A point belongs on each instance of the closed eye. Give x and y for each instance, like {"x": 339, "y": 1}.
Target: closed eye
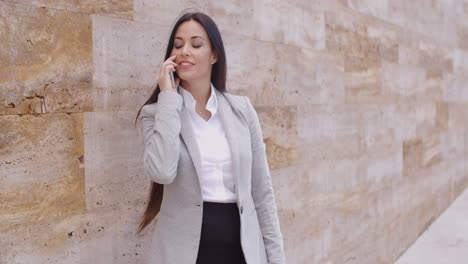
{"x": 178, "y": 47}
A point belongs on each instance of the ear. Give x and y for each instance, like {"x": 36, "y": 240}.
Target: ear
{"x": 214, "y": 58}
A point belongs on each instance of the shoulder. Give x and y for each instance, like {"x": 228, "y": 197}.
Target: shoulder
{"x": 165, "y": 100}
{"x": 148, "y": 110}
{"x": 237, "y": 100}
{"x": 241, "y": 104}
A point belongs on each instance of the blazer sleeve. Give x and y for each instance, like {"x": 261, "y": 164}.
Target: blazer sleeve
{"x": 262, "y": 192}
{"x": 161, "y": 130}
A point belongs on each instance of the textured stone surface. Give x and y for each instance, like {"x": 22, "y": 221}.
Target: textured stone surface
{"x": 231, "y": 16}
{"x": 272, "y": 73}
{"x": 289, "y": 22}
{"x": 46, "y": 64}
{"x": 127, "y": 56}
{"x": 104, "y": 237}
{"x": 41, "y": 169}
{"x": 363, "y": 107}
{"x": 280, "y": 135}
{"x": 121, "y": 8}
{"x": 113, "y": 151}
{"x": 164, "y": 12}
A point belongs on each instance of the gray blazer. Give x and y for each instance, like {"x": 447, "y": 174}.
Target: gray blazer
{"x": 172, "y": 157}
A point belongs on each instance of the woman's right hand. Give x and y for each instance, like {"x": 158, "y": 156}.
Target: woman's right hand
{"x": 167, "y": 67}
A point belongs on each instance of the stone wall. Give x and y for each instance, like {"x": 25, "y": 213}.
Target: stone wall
{"x": 363, "y": 104}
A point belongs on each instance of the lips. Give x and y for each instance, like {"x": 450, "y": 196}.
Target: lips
{"x": 185, "y": 65}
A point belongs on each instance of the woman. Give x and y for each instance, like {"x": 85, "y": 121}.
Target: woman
{"x": 204, "y": 147}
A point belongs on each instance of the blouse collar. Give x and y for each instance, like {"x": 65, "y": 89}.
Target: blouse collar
{"x": 190, "y": 102}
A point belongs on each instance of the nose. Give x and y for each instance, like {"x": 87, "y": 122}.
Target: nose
{"x": 185, "y": 50}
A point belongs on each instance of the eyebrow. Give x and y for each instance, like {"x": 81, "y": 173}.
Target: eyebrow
{"x": 191, "y": 37}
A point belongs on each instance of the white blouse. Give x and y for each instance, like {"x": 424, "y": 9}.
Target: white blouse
{"x": 216, "y": 179}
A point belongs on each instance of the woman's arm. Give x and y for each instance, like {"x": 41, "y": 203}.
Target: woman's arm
{"x": 262, "y": 192}
{"x": 161, "y": 130}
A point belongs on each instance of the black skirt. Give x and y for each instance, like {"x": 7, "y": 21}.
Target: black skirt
{"x": 220, "y": 235}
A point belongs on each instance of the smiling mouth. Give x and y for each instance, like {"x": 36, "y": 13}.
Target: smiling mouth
{"x": 185, "y": 65}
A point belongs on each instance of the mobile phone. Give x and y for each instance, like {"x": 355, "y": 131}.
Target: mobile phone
{"x": 172, "y": 80}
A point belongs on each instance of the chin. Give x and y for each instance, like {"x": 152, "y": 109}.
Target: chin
{"x": 187, "y": 77}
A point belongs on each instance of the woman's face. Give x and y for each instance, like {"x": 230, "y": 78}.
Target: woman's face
{"x": 194, "y": 53}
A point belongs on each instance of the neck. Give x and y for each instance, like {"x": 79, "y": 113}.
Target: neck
{"x": 200, "y": 90}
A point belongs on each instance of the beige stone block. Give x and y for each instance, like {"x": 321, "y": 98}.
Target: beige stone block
{"x": 328, "y": 5}
{"x": 303, "y": 240}
{"x": 310, "y": 239}
{"x": 335, "y": 176}
{"x": 376, "y": 134}
{"x": 364, "y": 41}
{"x": 462, "y": 37}
{"x": 115, "y": 100}
{"x": 366, "y": 45}
{"x": 424, "y": 17}
{"x": 45, "y": 61}
{"x": 403, "y": 80}
{"x": 436, "y": 60}
{"x": 122, "y": 9}
{"x": 233, "y": 17}
{"x": 104, "y": 237}
{"x": 327, "y": 120}
{"x": 452, "y": 144}
{"x": 41, "y": 169}
{"x": 347, "y": 20}
{"x": 165, "y": 12}
{"x": 279, "y": 134}
{"x": 420, "y": 154}
{"x": 411, "y": 118}
{"x": 442, "y": 116}
{"x": 319, "y": 147}
{"x": 328, "y": 132}
{"x": 353, "y": 210}
{"x": 315, "y": 187}
{"x": 382, "y": 167}
{"x": 253, "y": 69}
{"x": 454, "y": 89}
{"x": 458, "y": 114}
{"x": 365, "y": 86}
{"x": 285, "y": 188}
{"x": 460, "y": 60}
{"x": 281, "y": 74}
{"x": 310, "y": 77}
{"x": 113, "y": 158}
{"x": 386, "y": 203}
{"x": 289, "y": 22}
{"x": 328, "y": 212}
{"x": 406, "y": 83}
{"x": 238, "y": 17}
{"x": 462, "y": 181}
{"x": 371, "y": 7}
{"x": 458, "y": 179}
{"x": 127, "y": 56}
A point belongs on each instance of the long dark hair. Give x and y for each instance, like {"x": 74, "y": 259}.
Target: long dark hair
{"x": 218, "y": 79}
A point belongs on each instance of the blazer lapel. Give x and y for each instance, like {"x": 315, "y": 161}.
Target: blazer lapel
{"x": 188, "y": 135}
{"x": 228, "y": 118}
